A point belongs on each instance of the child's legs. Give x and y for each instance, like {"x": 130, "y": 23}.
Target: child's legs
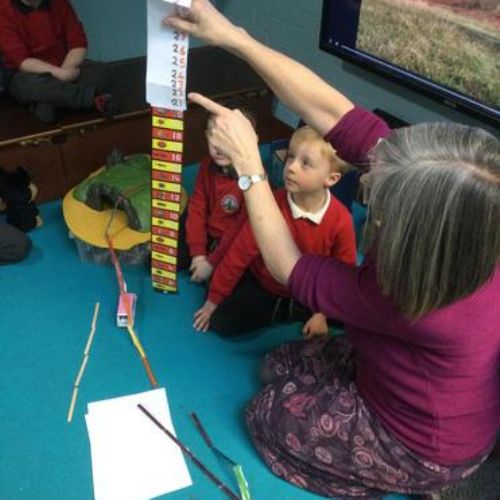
{"x": 32, "y": 88}
{"x": 248, "y": 308}
{"x": 94, "y": 74}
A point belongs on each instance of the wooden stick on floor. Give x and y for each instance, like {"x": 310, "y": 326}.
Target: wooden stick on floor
{"x": 85, "y": 360}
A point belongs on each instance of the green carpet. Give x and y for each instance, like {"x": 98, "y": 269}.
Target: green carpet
{"x": 46, "y": 310}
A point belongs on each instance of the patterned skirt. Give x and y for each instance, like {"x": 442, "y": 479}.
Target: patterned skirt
{"x": 313, "y": 429}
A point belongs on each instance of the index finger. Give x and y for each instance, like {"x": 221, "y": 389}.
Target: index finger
{"x": 205, "y": 102}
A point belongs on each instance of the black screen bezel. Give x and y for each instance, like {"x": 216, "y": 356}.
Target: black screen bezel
{"x": 334, "y": 14}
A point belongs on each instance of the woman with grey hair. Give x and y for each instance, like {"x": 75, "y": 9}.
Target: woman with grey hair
{"x": 409, "y": 402}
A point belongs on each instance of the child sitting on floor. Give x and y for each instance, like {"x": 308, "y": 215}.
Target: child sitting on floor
{"x": 44, "y": 46}
{"x": 215, "y": 210}
{"x": 240, "y": 302}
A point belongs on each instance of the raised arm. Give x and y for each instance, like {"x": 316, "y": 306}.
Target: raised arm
{"x": 75, "y": 57}
{"x": 314, "y": 100}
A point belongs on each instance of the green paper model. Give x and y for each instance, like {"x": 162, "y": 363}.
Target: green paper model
{"x": 127, "y": 184}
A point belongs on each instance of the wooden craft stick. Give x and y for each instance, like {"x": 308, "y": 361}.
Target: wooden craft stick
{"x": 188, "y": 453}
{"x": 92, "y": 329}
{"x": 72, "y": 404}
{"x": 85, "y": 360}
{"x": 82, "y": 369}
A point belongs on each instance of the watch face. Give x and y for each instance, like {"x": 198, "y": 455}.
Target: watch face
{"x": 244, "y": 182}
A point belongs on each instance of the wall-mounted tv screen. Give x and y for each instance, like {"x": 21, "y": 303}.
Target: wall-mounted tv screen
{"x": 449, "y": 49}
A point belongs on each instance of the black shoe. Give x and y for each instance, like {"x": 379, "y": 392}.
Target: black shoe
{"x": 44, "y": 111}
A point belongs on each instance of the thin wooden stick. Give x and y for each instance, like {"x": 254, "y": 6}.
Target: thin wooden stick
{"x": 188, "y": 452}
{"x": 142, "y": 354}
{"x": 128, "y": 308}
{"x": 85, "y": 360}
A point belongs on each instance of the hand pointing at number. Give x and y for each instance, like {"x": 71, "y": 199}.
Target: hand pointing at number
{"x": 233, "y": 135}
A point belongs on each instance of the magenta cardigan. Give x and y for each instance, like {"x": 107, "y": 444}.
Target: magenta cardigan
{"x": 434, "y": 383}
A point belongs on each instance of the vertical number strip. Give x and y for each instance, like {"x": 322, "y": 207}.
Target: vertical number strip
{"x": 166, "y": 178}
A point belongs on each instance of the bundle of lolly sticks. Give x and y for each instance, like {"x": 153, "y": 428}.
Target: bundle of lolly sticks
{"x": 86, "y": 353}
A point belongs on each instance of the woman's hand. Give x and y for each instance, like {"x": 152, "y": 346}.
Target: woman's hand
{"x": 200, "y": 269}
{"x": 231, "y": 133}
{"x": 202, "y": 316}
{"x": 204, "y": 21}
{"x": 316, "y": 326}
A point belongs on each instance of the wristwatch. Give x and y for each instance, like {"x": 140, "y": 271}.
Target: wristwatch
{"x": 245, "y": 182}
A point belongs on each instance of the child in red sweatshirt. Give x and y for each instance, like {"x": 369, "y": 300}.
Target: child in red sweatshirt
{"x": 215, "y": 210}
{"x": 44, "y": 46}
{"x": 240, "y": 302}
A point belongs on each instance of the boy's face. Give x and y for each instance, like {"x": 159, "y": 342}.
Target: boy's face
{"x": 307, "y": 170}
{"x": 216, "y": 156}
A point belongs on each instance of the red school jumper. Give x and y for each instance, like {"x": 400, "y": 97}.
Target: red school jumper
{"x": 333, "y": 236}
{"x": 47, "y": 33}
{"x": 215, "y": 211}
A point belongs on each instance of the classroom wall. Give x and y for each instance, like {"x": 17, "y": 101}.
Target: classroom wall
{"x": 293, "y": 26}
{"x": 116, "y": 29}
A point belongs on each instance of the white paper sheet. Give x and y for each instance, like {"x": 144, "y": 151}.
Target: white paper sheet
{"x": 131, "y": 458}
{"x": 167, "y": 57}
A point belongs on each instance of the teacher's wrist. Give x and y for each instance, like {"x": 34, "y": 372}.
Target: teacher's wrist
{"x": 249, "y": 167}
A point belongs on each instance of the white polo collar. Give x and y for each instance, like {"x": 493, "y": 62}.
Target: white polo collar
{"x": 316, "y": 217}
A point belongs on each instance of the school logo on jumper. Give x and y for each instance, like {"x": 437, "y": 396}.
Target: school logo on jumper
{"x": 230, "y": 204}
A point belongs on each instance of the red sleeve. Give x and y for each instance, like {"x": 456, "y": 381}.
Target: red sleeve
{"x": 242, "y": 251}
{"x": 197, "y": 218}
{"x": 12, "y": 46}
{"x": 344, "y": 248}
{"x": 215, "y": 257}
{"x": 73, "y": 28}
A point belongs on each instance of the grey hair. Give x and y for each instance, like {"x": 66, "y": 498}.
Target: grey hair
{"x": 434, "y": 208}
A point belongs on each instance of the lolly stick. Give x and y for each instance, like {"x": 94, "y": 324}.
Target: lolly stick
{"x": 86, "y": 353}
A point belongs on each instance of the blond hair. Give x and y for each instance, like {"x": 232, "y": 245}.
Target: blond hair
{"x": 308, "y": 134}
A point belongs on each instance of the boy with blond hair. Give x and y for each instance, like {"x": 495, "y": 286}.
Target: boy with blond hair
{"x": 238, "y": 301}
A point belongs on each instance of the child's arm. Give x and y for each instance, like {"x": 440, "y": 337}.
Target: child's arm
{"x": 18, "y": 55}
{"x": 227, "y": 274}
{"x": 75, "y": 57}
{"x": 344, "y": 247}
{"x": 225, "y": 242}
{"x": 315, "y": 326}
{"x": 242, "y": 251}
{"x": 197, "y": 217}
{"x": 74, "y": 32}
